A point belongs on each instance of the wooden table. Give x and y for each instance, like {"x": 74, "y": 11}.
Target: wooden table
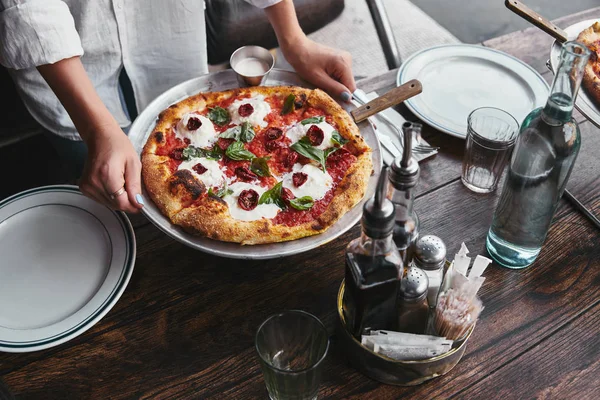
{"x": 185, "y": 326}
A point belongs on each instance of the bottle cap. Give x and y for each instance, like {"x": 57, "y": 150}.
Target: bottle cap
{"x": 405, "y": 170}
{"x": 414, "y": 285}
{"x": 430, "y": 253}
{"x": 379, "y": 212}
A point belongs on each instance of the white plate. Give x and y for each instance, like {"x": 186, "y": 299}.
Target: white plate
{"x": 583, "y": 103}
{"x": 65, "y": 262}
{"x": 459, "y": 78}
{"x": 224, "y": 80}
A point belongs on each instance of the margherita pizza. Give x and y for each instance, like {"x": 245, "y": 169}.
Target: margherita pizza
{"x": 256, "y": 165}
{"x": 590, "y": 37}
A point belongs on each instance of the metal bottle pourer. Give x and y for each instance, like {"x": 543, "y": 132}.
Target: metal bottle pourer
{"x": 379, "y": 212}
{"x": 405, "y": 170}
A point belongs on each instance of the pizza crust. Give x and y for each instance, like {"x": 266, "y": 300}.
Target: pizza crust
{"x": 208, "y": 215}
{"x": 590, "y": 37}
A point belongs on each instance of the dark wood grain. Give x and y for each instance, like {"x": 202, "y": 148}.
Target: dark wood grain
{"x": 579, "y": 339}
{"x": 184, "y": 328}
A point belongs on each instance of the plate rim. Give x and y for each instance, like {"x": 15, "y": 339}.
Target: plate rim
{"x": 175, "y": 232}
{"x": 106, "y": 305}
{"x": 582, "y": 106}
{"x": 424, "y": 118}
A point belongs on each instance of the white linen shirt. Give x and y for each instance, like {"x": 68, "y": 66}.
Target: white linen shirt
{"x": 160, "y": 43}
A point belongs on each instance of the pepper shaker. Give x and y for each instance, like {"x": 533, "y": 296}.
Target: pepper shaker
{"x": 430, "y": 256}
{"x": 413, "y": 308}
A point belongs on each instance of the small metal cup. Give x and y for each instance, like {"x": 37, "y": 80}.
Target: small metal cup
{"x": 246, "y": 52}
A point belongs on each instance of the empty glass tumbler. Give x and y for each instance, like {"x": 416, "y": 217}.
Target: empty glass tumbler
{"x": 491, "y": 135}
{"x": 292, "y": 346}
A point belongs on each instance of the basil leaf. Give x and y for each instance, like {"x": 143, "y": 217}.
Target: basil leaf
{"x": 273, "y": 196}
{"x": 312, "y": 120}
{"x": 232, "y": 133}
{"x": 195, "y": 152}
{"x": 330, "y": 150}
{"x": 236, "y": 151}
{"x": 303, "y": 147}
{"x": 219, "y": 115}
{"x": 302, "y": 203}
{"x": 337, "y": 138}
{"x": 288, "y": 104}
{"x": 260, "y": 167}
{"x": 247, "y": 132}
{"x": 224, "y": 191}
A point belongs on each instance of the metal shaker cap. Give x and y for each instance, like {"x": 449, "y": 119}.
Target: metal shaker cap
{"x": 430, "y": 253}
{"x": 378, "y": 212}
{"x": 405, "y": 170}
{"x": 414, "y": 285}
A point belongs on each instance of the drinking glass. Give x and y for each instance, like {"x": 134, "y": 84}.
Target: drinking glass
{"x": 491, "y": 135}
{"x": 291, "y": 347}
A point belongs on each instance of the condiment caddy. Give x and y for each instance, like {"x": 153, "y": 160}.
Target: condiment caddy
{"x": 398, "y": 287}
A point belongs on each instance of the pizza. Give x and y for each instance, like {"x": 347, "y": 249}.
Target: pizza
{"x": 256, "y": 165}
{"x": 590, "y": 37}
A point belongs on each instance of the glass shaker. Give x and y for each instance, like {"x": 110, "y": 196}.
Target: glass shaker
{"x": 373, "y": 268}
{"x": 404, "y": 176}
{"x": 413, "y": 307}
{"x": 430, "y": 256}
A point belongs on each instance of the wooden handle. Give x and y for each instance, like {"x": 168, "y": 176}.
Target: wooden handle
{"x": 536, "y": 19}
{"x": 395, "y": 96}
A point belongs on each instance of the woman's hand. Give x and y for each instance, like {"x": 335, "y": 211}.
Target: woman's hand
{"x": 327, "y": 68}
{"x": 112, "y": 169}
{"x": 112, "y": 164}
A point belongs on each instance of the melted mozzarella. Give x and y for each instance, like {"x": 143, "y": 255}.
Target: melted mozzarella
{"x": 261, "y": 110}
{"x": 212, "y": 177}
{"x": 316, "y": 186}
{"x": 204, "y": 136}
{"x": 298, "y": 131}
{"x": 261, "y": 211}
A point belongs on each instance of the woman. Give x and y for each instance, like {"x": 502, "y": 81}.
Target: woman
{"x": 66, "y": 57}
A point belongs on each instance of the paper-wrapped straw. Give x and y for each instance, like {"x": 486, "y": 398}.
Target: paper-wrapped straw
{"x": 458, "y": 306}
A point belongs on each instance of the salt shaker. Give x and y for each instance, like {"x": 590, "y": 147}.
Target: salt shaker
{"x": 413, "y": 307}
{"x": 430, "y": 256}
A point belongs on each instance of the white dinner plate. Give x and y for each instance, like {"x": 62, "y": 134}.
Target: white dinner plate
{"x": 583, "y": 103}
{"x": 65, "y": 261}
{"x": 224, "y": 80}
{"x": 459, "y": 78}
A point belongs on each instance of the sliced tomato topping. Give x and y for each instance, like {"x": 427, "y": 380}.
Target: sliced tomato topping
{"x": 299, "y": 178}
{"x": 315, "y": 135}
{"x": 245, "y": 110}
{"x": 248, "y": 199}
{"x": 245, "y": 174}
{"x": 193, "y": 123}
{"x": 273, "y": 133}
{"x": 199, "y": 168}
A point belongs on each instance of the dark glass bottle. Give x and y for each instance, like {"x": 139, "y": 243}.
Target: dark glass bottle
{"x": 374, "y": 269}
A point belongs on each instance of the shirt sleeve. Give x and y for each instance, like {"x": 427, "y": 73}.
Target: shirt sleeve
{"x": 263, "y": 3}
{"x": 36, "y": 32}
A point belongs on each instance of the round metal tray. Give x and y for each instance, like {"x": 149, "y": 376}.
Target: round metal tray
{"x": 583, "y": 103}
{"x": 224, "y": 80}
{"x": 388, "y": 370}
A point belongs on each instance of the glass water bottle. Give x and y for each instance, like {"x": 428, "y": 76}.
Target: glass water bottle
{"x": 543, "y": 158}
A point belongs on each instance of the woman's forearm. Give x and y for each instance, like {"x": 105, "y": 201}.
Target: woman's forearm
{"x": 282, "y": 17}
{"x": 75, "y": 90}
